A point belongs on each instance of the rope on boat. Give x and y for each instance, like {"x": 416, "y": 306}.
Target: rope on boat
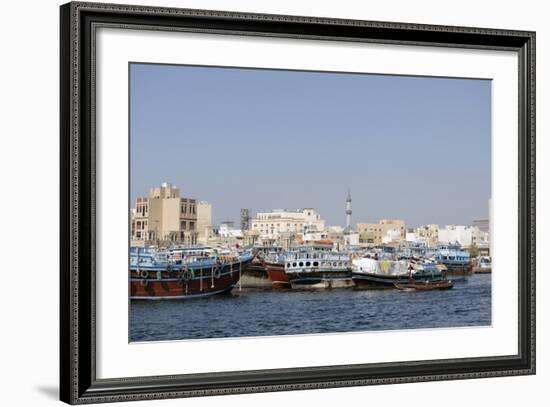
{"x": 200, "y": 284}
{"x": 212, "y": 277}
{"x": 240, "y": 280}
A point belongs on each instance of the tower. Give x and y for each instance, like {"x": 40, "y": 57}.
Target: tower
{"x": 245, "y": 219}
{"x": 348, "y": 213}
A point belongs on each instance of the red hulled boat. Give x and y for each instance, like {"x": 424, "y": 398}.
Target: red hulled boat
{"x": 183, "y": 273}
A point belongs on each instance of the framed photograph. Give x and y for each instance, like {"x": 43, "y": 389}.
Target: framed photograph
{"x": 255, "y": 203}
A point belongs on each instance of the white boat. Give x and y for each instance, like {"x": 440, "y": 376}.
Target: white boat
{"x": 318, "y": 270}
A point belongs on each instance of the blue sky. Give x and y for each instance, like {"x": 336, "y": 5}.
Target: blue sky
{"x": 412, "y": 148}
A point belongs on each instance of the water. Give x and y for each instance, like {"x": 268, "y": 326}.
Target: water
{"x": 273, "y": 312}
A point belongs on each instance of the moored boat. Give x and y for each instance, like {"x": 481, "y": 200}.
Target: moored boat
{"x": 371, "y": 273}
{"x": 426, "y": 285}
{"x": 310, "y": 269}
{"x": 181, "y": 273}
{"x": 456, "y": 261}
{"x": 274, "y": 264}
{"x": 255, "y": 274}
{"x": 483, "y": 265}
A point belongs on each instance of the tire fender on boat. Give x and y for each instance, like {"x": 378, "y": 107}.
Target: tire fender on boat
{"x": 143, "y": 274}
{"x": 186, "y": 276}
{"x": 217, "y": 273}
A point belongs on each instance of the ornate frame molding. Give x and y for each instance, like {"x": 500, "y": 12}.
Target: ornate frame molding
{"x": 78, "y": 380}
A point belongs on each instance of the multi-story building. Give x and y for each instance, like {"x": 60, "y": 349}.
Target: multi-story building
{"x": 428, "y": 235}
{"x": 481, "y": 224}
{"x": 245, "y": 219}
{"x": 227, "y": 230}
{"x": 465, "y": 236}
{"x": 164, "y": 216}
{"x": 204, "y": 222}
{"x": 385, "y": 231}
{"x": 280, "y": 222}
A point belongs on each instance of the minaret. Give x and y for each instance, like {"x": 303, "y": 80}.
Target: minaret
{"x": 348, "y": 213}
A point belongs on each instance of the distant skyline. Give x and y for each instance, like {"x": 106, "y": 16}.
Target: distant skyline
{"x": 411, "y": 148}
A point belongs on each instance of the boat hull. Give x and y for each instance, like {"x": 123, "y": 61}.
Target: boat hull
{"x": 458, "y": 270}
{"x": 183, "y": 284}
{"x": 365, "y": 281}
{"x": 320, "y": 279}
{"x": 255, "y": 276}
{"x": 276, "y": 272}
{"x": 369, "y": 281}
{"x": 482, "y": 270}
{"x": 320, "y": 282}
{"x": 425, "y": 286}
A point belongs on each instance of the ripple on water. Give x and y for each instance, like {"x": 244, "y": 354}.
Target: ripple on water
{"x": 269, "y": 313}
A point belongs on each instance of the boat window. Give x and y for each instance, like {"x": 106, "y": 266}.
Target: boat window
{"x": 293, "y": 264}
{"x": 301, "y": 264}
{"x": 308, "y": 263}
{"x": 315, "y": 264}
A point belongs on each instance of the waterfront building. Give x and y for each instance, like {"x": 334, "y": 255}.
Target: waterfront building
{"x": 204, "y": 222}
{"x": 455, "y": 234}
{"x": 481, "y": 224}
{"x": 465, "y": 236}
{"x": 385, "y": 231}
{"x": 245, "y": 219}
{"x": 428, "y": 235}
{"x": 164, "y": 216}
{"x": 227, "y": 230}
{"x": 281, "y": 222}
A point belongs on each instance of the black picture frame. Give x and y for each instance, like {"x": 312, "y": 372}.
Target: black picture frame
{"x": 78, "y": 382}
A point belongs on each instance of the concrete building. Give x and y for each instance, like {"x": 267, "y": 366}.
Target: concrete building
{"x": 385, "y": 231}
{"x": 428, "y": 235}
{"x": 281, "y": 222}
{"x": 227, "y": 230}
{"x": 245, "y": 219}
{"x": 465, "y": 236}
{"x": 481, "y": 224}
{"x": 164, "y": 216}
{"x": 204, "y": 222}
{"x": 455, "y": 234}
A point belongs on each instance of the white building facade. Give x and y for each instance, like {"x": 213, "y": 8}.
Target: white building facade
{"x": 282, "y": 222}
{"x": 465, "y": 236}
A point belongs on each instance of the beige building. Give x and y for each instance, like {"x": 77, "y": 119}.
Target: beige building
{"x": 385, "y": 231}
{"x": 164, "y": 216}
{"x": 428, "y": 234}
{"x": 280, "y": 223}
{"x": 204, "y": 222}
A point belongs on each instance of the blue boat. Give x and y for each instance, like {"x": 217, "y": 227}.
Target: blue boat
{"x": 456, "y": 261}
{"x": 184, "y": 272}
